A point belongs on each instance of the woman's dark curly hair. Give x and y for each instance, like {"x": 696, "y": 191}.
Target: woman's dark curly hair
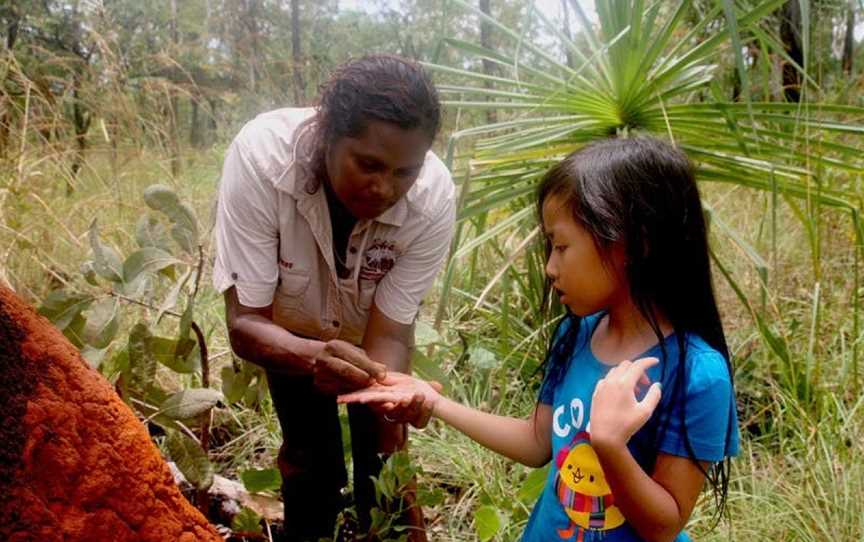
{"x": 381, "y": 87}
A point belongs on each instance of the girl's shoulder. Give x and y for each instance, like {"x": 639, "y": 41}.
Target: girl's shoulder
{"x": 706, "y": 366}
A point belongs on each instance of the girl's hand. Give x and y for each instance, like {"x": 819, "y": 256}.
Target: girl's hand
{"x": 401, "y": 397}
{"x": 616, "y": 415}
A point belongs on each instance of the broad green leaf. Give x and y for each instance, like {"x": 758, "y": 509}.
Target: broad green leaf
{"x": 89, "y": 273}
{"x": 106, "y": 261}
{"x": 533, "y": 485}
{"x": 425, "y": 334}
{"x": 190, "y": 402}
{"x": 246, "y": 522}
{"x": 185, "y": 226}
{"x": 93, "y": 356}
{"x": 481, "y": 358}
{"x": 165, "y": 351}
{"x": 61, "y": 307}
{"x": 102, "y": 323}
{"x": 171, "y": 299}
{"x": 190, "y": 458}
{"x": 429, "y": 369}
{"x": 487, "y": 522}
{"x": 257, "y": 480}
{"x": 150, "y": 232}
{"x": 145, "y": 260}
{"x": 141, "y": 373}
{"x": 234, "y": 384}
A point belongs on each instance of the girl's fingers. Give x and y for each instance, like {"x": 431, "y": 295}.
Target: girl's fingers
{"x": 636, "y": 372}
{"x": 651, "y": 399}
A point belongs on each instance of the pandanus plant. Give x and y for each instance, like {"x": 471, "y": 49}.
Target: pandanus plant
{"x": 650, "y": 68}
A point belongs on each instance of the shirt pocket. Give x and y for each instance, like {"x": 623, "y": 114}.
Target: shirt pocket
{"x": 292, "y": 287}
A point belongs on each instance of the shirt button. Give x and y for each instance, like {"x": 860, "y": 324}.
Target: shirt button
{"x": 233, "y": 276}
{"x": 335, "y": 323}
{"x": 353, "y": 250}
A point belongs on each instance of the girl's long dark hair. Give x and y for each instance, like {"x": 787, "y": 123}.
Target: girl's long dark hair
{"x": 641, "y": 193}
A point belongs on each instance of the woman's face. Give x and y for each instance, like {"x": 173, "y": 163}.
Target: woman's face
{"x": 370, "y": 172}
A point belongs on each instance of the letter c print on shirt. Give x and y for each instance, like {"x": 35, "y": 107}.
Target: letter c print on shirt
{"x": 577, "y": 416}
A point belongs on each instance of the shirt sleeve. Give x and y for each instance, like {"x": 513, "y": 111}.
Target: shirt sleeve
{"x": 709, "y": 412}
{"x": 246, "y": 232}
{"x": 399, "y": 293}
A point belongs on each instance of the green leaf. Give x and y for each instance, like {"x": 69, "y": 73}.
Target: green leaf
{"x": 61, "y": 307}
{"x": 106, "y": 261}
{"x": 487, "y": 522}
{"x": 185, "y": 229}
{"x": 190, "y": 458}
{"x": 429, "y": 369}
{"x": 93, "y": 356}
{"x": 257, "y": 480}
{"x": 102, "y": 323}
{"x": 149, "y": 232}
{"x": 246, "y": 522}
{"x": 481, "y": 358}
{"x": 533, "y": 485}
{"x": 146, "y": 259}
{"x": 171, "y": 299}
{"x": 425, "y": 334}
{"x": 234, "y": 384}
{"x": 165, "y": 351}
{"x": 190, "y": 403}
{"x": 89, "y": 273}
{"x": 141, "y": 372}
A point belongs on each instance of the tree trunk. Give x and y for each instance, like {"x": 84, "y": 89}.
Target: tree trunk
{"x": 195, "y": 138}
{"x": 81, "y": 121}
{"x": 849, "y": 42}
{"x": 488, "y": 65}
{"x": 296, "y": 55}
{"x": 175, "y": 76}
{"x": 790, "y": 35}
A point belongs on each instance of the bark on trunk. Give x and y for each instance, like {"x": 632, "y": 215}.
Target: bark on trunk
{"x": 790, "y": 34}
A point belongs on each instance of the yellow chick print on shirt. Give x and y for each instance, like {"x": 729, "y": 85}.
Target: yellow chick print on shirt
{"x": 583, "y": 492}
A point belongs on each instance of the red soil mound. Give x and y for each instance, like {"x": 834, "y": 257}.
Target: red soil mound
{"x": 75, "y": 463}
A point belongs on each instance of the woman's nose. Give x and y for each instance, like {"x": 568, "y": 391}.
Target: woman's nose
{"x": 382, "y": 187}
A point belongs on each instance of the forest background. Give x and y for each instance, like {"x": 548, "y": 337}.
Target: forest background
{"x": 115, "y": 115}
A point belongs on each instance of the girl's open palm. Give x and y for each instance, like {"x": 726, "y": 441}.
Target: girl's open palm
{"x": 616, "y": 415}
{"x": 398, "y": 394}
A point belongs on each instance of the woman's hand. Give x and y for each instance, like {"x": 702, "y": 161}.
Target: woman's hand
{"x": 341, "y": 367}
{"x": 616, "y": 415}
{"x": 400, "y": 397}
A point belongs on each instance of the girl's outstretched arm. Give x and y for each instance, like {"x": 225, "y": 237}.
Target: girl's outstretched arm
{"x": 657, "y": 506}
{"x": 527, "y": 441}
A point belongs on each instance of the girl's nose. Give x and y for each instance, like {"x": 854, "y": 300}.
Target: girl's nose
{"x": 551, "y": 270}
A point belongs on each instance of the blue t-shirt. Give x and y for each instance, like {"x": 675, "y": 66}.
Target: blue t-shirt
{"x": 577, "y": 503}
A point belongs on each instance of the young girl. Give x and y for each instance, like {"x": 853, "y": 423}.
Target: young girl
{"x": 631, "y": 442}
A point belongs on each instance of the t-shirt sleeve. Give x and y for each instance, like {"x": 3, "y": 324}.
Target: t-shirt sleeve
{"x": 709, "y": 413}
{"x": 246, "y": 231}
{"x": 399, "y": 293}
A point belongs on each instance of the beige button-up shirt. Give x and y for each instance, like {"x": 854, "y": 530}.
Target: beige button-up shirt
{"x": 275, "y": 245}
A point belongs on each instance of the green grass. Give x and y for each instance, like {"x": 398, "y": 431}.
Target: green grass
{"x": 800, "y": 475}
